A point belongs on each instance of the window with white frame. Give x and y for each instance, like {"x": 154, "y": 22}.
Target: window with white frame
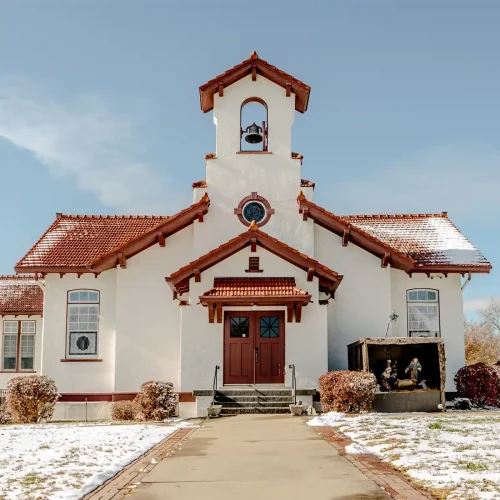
{"x": 423, "y": 313}
{"x": 18, "y": 345}
{"x": 83, "y": 323}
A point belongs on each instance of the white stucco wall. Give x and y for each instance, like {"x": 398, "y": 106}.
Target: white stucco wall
{"x": 148, "y": 319}
{"x": 450, "y": 309}
{"x": 202, "y": 342}
{"x": 6, "y": 376}
{"x": 363, "y": 300}
{"x": 79, "y": 377}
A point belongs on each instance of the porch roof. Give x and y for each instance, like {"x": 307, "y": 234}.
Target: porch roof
{"x": 255, "y": 291}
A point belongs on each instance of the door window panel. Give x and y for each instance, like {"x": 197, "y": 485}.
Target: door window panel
{"x": 269, "y": 327}
{"x": 239, "y": 327}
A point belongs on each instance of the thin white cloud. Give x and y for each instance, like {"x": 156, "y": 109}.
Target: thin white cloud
{"x": 82, "y": 140}
{"x": 477, "y": 304}
{"x": 462, "y": 180}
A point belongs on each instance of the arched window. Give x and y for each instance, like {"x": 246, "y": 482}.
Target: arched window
{"x": 423, "y": 313}
{"x": 83, "y": 323}
{"x": 253, "y": 125}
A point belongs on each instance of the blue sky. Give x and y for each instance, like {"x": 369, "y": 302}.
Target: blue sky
{"x": 99, "y": 107}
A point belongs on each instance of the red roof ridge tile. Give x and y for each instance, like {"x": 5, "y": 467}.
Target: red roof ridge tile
{"x": 19, "y": 277}
{"x": 394, "y": 216}
{"x": 104, "y": 216}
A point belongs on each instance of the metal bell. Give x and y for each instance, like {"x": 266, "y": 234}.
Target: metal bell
{"x": 253, "y": 134}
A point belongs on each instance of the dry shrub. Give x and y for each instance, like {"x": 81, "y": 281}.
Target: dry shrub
{"x": 31, "y": 398}
{"x": 482, "y": 343}
{"x": 124, "y": 410}
{"x": 480, "y": 383}
{"x": 347, "y": 391}
{"x": 156, "y": 401}
{"x": 5, "y": 416}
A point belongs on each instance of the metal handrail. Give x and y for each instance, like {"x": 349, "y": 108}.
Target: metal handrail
{"x": 294, "y": 384}
{"x": 214, "y": 386}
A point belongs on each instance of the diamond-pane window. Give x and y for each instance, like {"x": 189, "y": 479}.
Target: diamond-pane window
{"x": 269, "y": 326}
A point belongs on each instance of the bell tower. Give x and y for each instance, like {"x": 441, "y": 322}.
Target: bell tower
{"x": 253, "y": 169}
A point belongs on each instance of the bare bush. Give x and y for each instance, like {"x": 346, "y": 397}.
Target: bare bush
{"x": 156, "y": 401}
{"x": 31, "y": 398}
{"x": 482, "y": 343}
{"x": 347, "y": 391}
{"x": 5, "y": 417}
{"x": 124, "y": 410}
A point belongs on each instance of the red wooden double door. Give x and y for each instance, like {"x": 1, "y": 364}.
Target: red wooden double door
{"x": 254, "y": 347}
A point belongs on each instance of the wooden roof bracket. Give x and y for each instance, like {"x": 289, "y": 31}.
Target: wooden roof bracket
{"x": 345, "y": 237}
{"x": 288, "y": 89}
{"x": 122, "y": 260}
{"x": 197, "y": 275}
{"x": 386, "y": 259}
{"x": 310, "y": 274}
{"x": 253, "y": 244}
{"x": 254, "y": 73}
{"x": 161, "y": 238}
{"x": 221, "y": 89}
{"x": 200, "y": 216}
{"x": 305, "y": 213}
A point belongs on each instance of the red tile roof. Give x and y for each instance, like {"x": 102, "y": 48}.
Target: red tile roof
{"x": 414, "y": 242}
{"x": 429, "y": 239}
{"x": 20, "y": 295}
{"x": 300, "y": 89}
{"x": 94, "y": 243}
{"x": 254, "y": 287}
{"x": 77, "y": 240}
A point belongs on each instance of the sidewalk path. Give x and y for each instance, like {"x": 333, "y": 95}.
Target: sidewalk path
{"x": 257, "y": 457}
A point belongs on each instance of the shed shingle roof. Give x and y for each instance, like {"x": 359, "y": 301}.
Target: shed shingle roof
{"x": 20, "y": 295}
{"x": 254, "y": 287}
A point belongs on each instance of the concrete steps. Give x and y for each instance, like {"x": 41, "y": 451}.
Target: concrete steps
{"x": 237, "y": 402}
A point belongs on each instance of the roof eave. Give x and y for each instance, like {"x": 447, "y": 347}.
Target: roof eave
{"x": 452, "y": 269}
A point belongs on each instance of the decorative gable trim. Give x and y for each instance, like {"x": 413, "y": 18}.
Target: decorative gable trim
{"x": 328, "y": 280}
{"x": 350, "y": 233}
{"x": 254, "y": 66}
{"x": 156, "y": 235}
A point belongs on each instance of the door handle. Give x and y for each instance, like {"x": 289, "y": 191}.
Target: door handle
{"x": 256, "y": 354}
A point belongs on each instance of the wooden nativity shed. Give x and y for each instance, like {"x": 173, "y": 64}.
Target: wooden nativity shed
{"x": 371, "y": 354}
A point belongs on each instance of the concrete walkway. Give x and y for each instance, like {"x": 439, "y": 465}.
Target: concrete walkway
{"x": 257, "y": 457}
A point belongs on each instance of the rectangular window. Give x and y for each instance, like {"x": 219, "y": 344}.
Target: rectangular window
{"x": 83, "y": 323}
{"x": 18, "y": 352}
{"x": 423, "y": 313}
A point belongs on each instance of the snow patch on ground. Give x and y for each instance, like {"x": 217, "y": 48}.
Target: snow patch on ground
{"x": 459, "y": 451}
{"x": 66, "y": 461}
{"x": 327, "y": 420}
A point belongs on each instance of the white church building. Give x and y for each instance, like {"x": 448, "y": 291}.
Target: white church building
{"x": 252, "y": 278}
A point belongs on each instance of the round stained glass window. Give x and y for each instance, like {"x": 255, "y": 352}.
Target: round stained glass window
{"x": 254, "y": 211}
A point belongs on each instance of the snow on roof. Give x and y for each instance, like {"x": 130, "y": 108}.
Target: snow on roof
{"x": 20, "y": 295}
{"x": 430, "y": 239}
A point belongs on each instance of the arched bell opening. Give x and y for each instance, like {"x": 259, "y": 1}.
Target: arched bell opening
{"x": 253, "y": 125}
